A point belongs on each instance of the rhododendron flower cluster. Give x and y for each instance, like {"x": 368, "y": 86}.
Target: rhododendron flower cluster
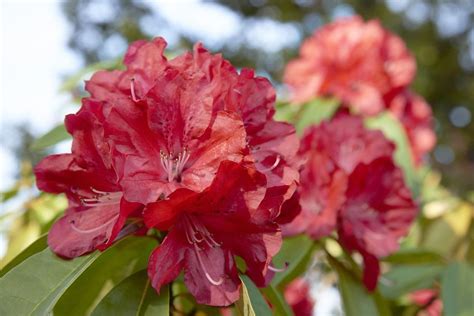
{"x": 369, "y": 69}
{"x": 351, "y": 185}
{"x": 187, "y": 146}
{"x": 187, "y": 151}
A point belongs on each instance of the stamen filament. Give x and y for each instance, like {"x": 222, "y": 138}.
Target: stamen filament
{"x": 201, "y": 263}
{"x": 87, "y": 231}
{"x": 132, "y": 90}
{"x": 272, "y": 268}
{"x": 275, "y": 164}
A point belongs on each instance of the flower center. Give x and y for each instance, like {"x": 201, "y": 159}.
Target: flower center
{"x": 197, "y": 233}
{"x": 174, "y": 165}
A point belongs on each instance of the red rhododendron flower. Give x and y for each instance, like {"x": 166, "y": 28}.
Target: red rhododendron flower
{"x": 429, "y": 300}
{"x": 297, "y": 295}
{"x": 97, "y": 211}
{"x": 358, "y": 62}
{"x": 175, "y": 121}
{"x": 378, "y": 211}
{"x": 331, "y": 151}
{"x": 206, "y": 230}
{"x": 417, "y": 118}
{"x": 370, "y": 210}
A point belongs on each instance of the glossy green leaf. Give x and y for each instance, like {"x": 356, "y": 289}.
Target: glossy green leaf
{"x": 457, "y": 290}
{"x": 251, "y": 301}
{"x": 35, "y": 285}
{"x": 394, "y": 131}
{"x": 404, "y": 279}
{"x": 35, "y": 247}
{"x": 51, "y": 138}
{"x": 356, "y": 300}
{"x": 279, "y": 305}
{"x": 126, "y": 257}
{"x": 296, "y": 252}
{"x": 134, "y": 296}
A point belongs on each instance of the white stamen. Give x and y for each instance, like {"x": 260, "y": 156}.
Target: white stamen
{"x": 272, "y": 268}
{"x": 87, "y": 231}
{"x": 132, "y": 90}
{"x": 102, "y": 198}
{"x": 275, "y": 164}
{"x": 174, "y": 166}
{"x": 193, "y": 229}
{"x": 208, "y": 276}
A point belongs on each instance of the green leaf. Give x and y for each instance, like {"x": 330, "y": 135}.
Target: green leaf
{"x": 414, "y": 256}
{"x": 457, "y": 290}
{"x": 251, "y": 301}
{"x": 304, "y": 115}
{"x": 404, "y": 279}
{"x": 356, "y": 300}
{"x": 314, "y": 112}
{"x": 135, "y": 296}
{"x": 35, "y": 285}
{"x": 279, "y": 305}
{"x": 32, "y": 249}
{"x": 126, "y": 257}
{"x": 296, "y": 252}
{"x": 394, "y": 131}
{"x": 51, "y": 138}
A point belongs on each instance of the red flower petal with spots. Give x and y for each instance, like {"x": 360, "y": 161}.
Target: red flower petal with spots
{"x": 358, "y": 62}
{"x": 207, "y": 229}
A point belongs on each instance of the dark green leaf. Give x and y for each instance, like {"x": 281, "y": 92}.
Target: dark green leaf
{"x": 356, "y": 300}
{"x": 32, "y": 249}
{"x": 394, "y": 131}
{"x": 279, "y": 305}
{"x": 296, "y": 252}
{"x": 457, "y": 290}
{"x": 135, "y": 296}
{"x": 251, "y": 301}
{"x": 404, "y": 279}
{"x": 126, "y": 257}
{"x": 51, "y": 138}
{"x": 34, "y": 286}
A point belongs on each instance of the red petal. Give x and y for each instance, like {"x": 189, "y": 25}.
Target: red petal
{"x": 80, "y": 232}
{"x": 371, "y": 271}
{"x": 167, "y": 261}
